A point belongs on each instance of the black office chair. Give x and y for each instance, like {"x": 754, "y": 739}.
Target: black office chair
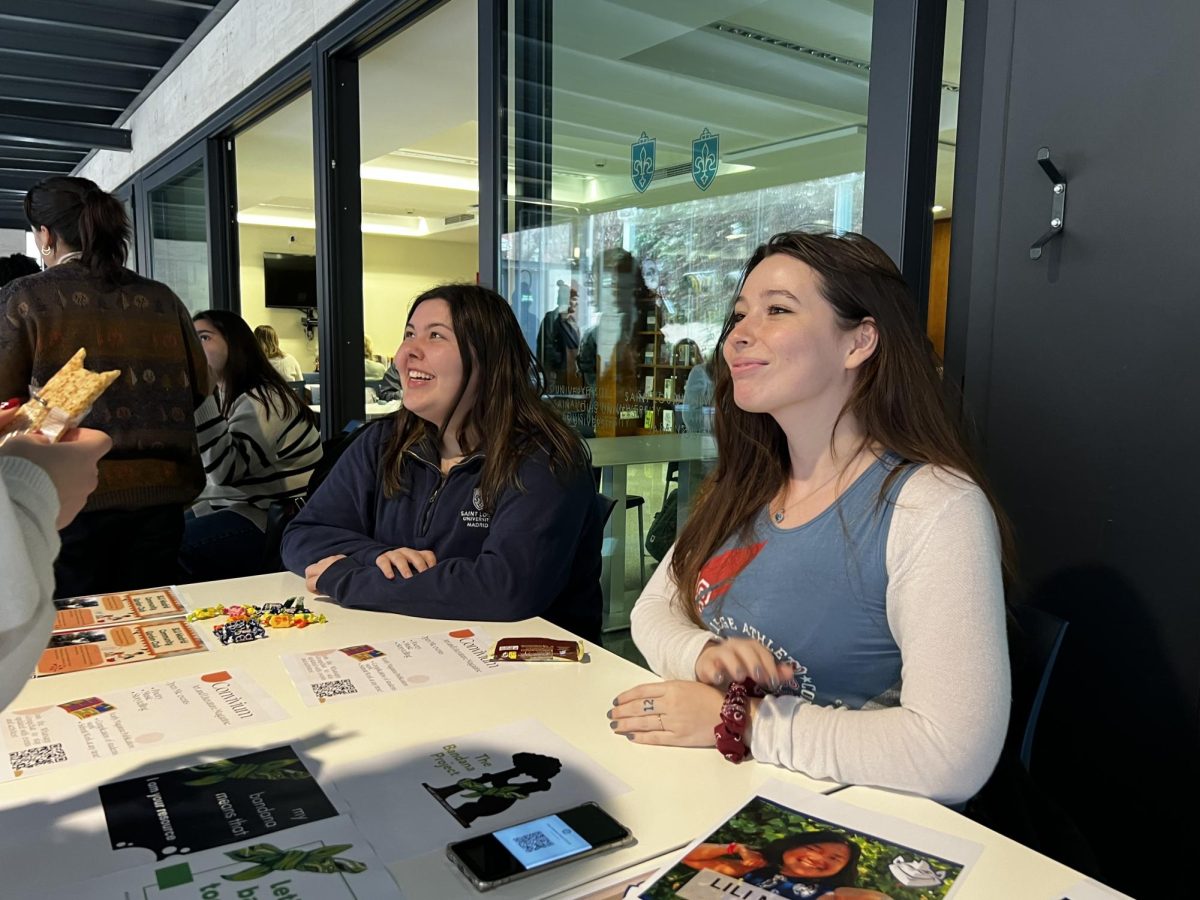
{"x": 281, "y": 512}
{"x": 1034, "y": 641}
{"x": 1013, "y": 802}
{"x": 638, "y": 502}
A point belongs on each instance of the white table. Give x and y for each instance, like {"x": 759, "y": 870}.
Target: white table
{"x": 613, "y": 456}
{"x": 374, "y": 410}
{"x": 1003, "y": 871}
{"x": 674, "y": 790}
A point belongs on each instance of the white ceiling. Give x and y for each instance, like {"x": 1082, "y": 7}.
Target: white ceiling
{"x": 619, "y": 67}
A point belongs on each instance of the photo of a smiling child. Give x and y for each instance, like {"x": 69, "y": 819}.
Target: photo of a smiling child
{"x": 767, "y": 850}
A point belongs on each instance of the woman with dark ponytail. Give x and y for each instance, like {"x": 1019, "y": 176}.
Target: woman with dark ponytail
{"x": 129, "y": 533}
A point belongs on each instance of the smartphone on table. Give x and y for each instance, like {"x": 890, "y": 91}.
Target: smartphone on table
{"x": 510, "y": 853}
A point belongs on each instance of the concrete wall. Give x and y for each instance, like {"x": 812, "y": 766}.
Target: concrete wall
{"x": 395, "y": 269}
{"x": 245, "y": 44}
{"x": 12, "y": 241}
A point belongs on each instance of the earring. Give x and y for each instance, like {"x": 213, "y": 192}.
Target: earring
{"x": 46, "y": 251}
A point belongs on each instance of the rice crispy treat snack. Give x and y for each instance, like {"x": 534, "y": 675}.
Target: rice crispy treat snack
{"x": 65, "y": 399}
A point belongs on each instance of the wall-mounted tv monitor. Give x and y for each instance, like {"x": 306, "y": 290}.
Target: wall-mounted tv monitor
{"x": 290, "y": 280}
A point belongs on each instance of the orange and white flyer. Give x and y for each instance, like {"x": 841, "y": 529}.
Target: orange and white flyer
{"x": 93, "y": 648}
{"x": 75, "y": 613}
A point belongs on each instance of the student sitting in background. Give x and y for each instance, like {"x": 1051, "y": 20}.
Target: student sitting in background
{"x": 372, "y": 368}
{"x": 259, "y": 443}
{"x": 474, "y": 501}
{"x": 843, "y": 560}
{"x": 389, "y": 387}
{"x": 285, "y": 364}
{"x": 42, "y": 488}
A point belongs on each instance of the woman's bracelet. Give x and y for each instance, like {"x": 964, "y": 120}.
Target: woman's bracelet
{"x": 730, "y": 732}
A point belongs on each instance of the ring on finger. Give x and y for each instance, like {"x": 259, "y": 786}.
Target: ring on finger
{"x": 661, "y": 726}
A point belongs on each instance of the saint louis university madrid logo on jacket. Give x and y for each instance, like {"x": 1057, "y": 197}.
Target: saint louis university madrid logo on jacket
{"x": 476, "y": 518}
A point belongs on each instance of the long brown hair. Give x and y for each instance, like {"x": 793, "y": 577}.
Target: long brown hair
{"x": 508, "y": 418}
{"x": 84, "y": 217}
{"x": 247, "y": 370}
{"x": 898, "y": 400}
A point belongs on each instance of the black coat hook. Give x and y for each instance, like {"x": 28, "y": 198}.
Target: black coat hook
{"x": 1058, "y": 205}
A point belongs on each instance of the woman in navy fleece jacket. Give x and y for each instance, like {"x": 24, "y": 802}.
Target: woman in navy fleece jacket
{"x": 475, "y": 501}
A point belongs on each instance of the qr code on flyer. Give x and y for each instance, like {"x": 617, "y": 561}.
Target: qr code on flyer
{"x": 340, "y": 688}
{"x": 48, "y": 755}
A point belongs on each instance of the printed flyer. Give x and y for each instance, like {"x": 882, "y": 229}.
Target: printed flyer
{"x": 468, "y": 785}
{"x": 44, "y": 738}
{"x": 214, "y": 803}
{"x": 789, "y": 843}
{"x": 116, "y": 645}
{"x": 75, "y": 613}
{"x": 325, "y": 860}
{"x": 384, "y": 667}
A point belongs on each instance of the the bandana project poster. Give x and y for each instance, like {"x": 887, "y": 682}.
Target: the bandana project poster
{"x": 790, "y": 844}
{"x": 211, "y": 804}
{"x": 415, "y": 801}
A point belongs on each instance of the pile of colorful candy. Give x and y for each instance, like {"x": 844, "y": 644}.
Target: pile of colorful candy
{"x": 238, "y": 631}
{"x": 249, "y": 623}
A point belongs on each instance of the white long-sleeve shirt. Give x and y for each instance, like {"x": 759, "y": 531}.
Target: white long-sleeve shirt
{"x": 28, "y": 545}
{"x": 945, "y": 610}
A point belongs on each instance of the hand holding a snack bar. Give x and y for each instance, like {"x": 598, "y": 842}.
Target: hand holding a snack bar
{"x": 71, "y": 463}
{"x": 405, "y": 560}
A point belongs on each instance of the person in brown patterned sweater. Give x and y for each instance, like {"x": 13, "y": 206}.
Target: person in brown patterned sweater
{"x": 129, "y": 533}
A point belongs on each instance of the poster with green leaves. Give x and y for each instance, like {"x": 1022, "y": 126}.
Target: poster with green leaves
{"x": 209, "y": 804}
{"x": 325, "y": 860}
{"x": 790, "y": 843}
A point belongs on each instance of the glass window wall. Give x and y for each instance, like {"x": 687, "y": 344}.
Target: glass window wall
{"x": 277, "y": 238}
{"x": 420, "y": 172}
{"x": 179, "y": 235}
{"x": 651, "y": 149}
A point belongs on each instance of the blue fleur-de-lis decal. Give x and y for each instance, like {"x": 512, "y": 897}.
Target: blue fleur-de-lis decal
{"x": 641, "y": 162}
{"x": 706, "y": 156}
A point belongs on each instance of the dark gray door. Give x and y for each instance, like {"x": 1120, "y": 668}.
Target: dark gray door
{"x": 1082, "y": 371}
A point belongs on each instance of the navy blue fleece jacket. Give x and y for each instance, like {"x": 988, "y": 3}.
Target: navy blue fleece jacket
{"x": 536, "y": 554}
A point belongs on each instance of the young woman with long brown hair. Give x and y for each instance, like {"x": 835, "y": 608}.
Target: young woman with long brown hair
{"x": 844, "y": 559}
{"x": 259, "y": 442}
{"x": 475, "y": 500}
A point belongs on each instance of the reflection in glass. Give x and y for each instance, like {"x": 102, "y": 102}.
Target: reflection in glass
{"x": 179, "y": 236}
{"x": 420, "y": 171}
{"x": 675, "y": 143}
{"x": 277, "y": 237}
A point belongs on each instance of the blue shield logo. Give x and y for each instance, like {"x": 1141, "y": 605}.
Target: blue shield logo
{"x": 641, "y": 162}
{"x": 706, "y": 156}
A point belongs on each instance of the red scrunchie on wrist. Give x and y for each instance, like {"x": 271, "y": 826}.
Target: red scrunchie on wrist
{"x": 731, "y": 730}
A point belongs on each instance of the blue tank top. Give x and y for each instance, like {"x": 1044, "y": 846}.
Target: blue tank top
{"x": 816, "y": 595}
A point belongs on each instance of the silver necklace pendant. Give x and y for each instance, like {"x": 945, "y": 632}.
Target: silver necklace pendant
{"x": 778, "y": 517}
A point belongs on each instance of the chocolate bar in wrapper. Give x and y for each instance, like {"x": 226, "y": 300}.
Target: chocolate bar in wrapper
{"x": 537, "y": 649}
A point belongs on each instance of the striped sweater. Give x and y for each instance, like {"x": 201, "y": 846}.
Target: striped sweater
{"x": 251, "y": 459}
